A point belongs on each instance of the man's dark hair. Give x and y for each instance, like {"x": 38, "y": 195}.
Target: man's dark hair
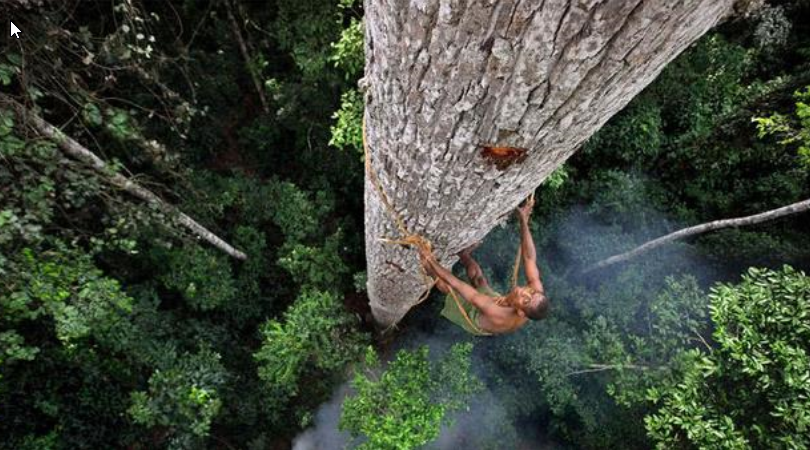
{"x": 538, "y": 310}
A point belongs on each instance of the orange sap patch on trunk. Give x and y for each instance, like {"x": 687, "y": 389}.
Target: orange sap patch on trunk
{"x": 503, "y": 157}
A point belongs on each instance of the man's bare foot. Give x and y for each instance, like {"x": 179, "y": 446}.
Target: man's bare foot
{"x": 468, "y": 251}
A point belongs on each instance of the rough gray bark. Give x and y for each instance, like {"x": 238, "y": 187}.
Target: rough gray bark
{"x": 767, "y": 216}
{"x": 444, "y": 77}
{"x": 77, "y": 151}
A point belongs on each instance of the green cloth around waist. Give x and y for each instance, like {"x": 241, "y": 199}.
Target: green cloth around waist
{"x": 452, "y": 313}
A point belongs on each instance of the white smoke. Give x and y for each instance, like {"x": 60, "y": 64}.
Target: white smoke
{"x": 324, "y": 434}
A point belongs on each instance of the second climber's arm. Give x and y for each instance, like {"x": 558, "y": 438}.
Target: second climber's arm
{"x": 527, "y": 248}
{"x": 468, "y": 292}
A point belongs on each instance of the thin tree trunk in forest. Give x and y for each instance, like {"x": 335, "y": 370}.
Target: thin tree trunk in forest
{"x": 767, "y": 216}
{"x": 445, "y": 77}
{"x": 243, "y": 48}
{"x": 77, "y": 151}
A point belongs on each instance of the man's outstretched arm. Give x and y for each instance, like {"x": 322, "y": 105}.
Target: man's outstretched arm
{"x": 468, "y": 292}
{"x": 527, "y": 247}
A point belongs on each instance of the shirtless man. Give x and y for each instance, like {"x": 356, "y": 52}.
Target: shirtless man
{"x": 489, "y": 312}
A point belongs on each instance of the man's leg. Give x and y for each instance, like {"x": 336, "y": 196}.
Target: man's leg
{"x": 474, "y": 272}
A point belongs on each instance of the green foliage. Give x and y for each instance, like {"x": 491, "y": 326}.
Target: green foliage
{"x": 348, "y": 55}
{"x": 637, "y": 133}
{"x": 119, "y": 124}
{"x": 183, "y": 398}
{"x": 317, "y": 338}
{"x": 318, "y": 267}
{"x": 348, "y": 50}
{"x": 791, "y": 131}
{"x": 248, "y": 282}
{"x": 685, "y": 103}
{"x": 28, "y": 185}
{"x": 100, "y": 293}
{"x": 12, "y": 347}
{"x": 305, "y": 32}
{"x": 404, "y": 406}
{"x": 753, "y": 390}
{"x": 708, "y": 84}
{"x": 592, "y": 362}
{"x": 10, "y": 69}
{"x": 360, "y": 280}
{"x": 92, "y": 115}
{"x": 557, "y": 178}
{"x": 68, "y": 288}
{"x": 624, "y": 199}
{"x": 201, "y": 275}
{"x": 7, "y": 73}
{"x": 296, "y": 214}
{"x": 49, "y": 441}
{"x": 752, "y": 246}
{"x": 675, "y": 320}
{"x": 347, "y": 132}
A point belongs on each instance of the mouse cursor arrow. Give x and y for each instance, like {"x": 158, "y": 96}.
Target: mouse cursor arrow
{"x": 15, "y": 31}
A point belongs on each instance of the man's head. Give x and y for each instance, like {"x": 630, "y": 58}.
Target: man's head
{"x": 529, "y": 302}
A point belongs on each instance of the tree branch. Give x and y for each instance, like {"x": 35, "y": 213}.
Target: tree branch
{"x": 766, "y": 216}
{"x": 246, "y": 55}
{"x": 77, "y": 151}
{"x": 604, "y": 367}
{"x": 700, "y": 336}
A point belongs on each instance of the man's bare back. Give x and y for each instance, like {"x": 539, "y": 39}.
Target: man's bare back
{"x": 495, "y": 314}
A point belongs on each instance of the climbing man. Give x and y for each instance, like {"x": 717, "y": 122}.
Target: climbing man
{"x": 477, "y": 308}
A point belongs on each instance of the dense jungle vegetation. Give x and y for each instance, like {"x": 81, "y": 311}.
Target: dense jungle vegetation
{"x": 119, "y": 328}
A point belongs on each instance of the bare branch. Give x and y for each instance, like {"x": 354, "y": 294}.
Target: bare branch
{"x": 604, "y": 367}
{"x": 794, "y": 208}
{"x": 77, "y": 151}
{"x": 700, "y": 336}
{"x": 246, "y": 55}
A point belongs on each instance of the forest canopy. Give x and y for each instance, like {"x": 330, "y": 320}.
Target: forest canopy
{"x": 183, "y": 264}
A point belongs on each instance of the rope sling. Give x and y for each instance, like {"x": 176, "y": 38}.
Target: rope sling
{"x": 409, "y": 239}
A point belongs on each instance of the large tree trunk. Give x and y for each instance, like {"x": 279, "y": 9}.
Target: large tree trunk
{"x": 444, "y": 77}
